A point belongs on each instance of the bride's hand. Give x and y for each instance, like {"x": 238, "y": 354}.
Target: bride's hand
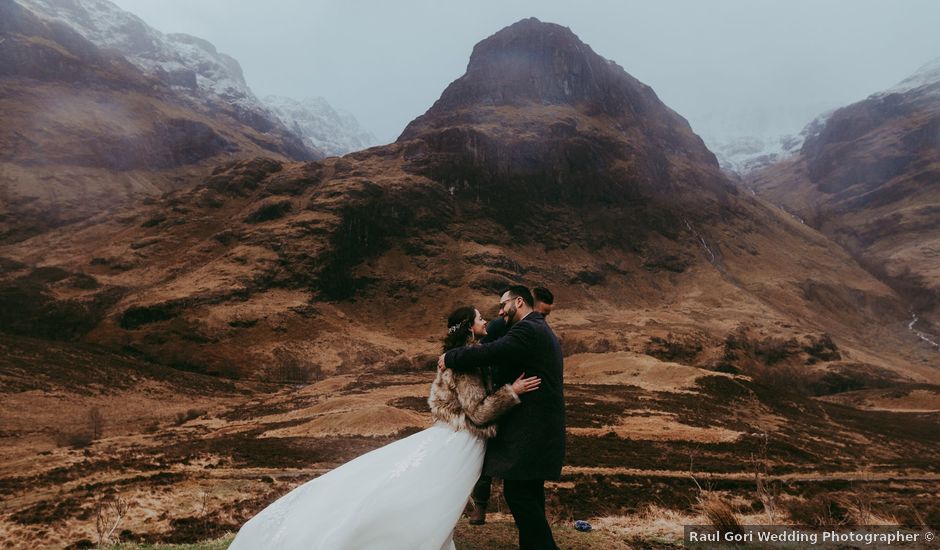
{"x": 525, "y": 385}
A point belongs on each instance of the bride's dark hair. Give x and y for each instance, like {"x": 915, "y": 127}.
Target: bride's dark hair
{"x": 459, "y": 327}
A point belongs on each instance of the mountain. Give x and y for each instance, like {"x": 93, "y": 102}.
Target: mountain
{"x": 322, "y": 127}
{"x": 703, "y": 327}
{"x": 745, "y": 141}
{"x": 213, "y": 80}
{"x": 743, "y": 154}
{"x": 868, "y": 178}
{"x": 191, "y": 66}
{"x": 544, "y": 163}
{"x": 87, "y": 130}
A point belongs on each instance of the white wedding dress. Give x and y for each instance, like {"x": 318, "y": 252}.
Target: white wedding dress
{"x": 407, "y": 495}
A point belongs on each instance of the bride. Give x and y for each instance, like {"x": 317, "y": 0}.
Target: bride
{"x": 409, "y": 494}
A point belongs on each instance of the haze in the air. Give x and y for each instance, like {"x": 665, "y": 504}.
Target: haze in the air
{"x": 732, "y": 67}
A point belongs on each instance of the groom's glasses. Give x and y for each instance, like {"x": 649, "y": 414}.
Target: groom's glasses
{"x": 503, "y": 304}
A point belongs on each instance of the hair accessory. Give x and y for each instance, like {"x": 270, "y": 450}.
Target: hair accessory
{"x": 453, "y": 329}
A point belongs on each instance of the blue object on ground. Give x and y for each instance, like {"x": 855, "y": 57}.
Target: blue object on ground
{"x": 582, "y": 525}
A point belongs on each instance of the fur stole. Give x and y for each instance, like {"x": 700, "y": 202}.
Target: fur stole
{"x": 460, "y": 400}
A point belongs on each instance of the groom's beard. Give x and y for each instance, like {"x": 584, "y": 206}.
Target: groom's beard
{"x": 511, "y": 317}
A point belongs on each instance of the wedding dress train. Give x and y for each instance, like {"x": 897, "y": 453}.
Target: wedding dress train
{"x": 407, "y": 495}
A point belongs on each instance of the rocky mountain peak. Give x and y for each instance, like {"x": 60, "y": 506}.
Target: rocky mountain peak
{"x": 533, "y": 61}
{"x": 539, "y": 113}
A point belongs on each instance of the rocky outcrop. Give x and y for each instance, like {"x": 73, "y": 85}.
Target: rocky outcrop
{"x": 539, "y": 118}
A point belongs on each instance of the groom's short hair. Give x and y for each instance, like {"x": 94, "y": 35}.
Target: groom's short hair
{"x": 522, "y": 292}
{"x": 543, "y": 295}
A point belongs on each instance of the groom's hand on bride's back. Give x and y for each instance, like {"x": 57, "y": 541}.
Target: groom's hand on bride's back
{"x": 525, "y": 385}
{"x": 440, "y": 363}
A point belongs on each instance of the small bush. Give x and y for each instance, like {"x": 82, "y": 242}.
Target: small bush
{"x": 399, "y": 365}
{"x": 773, "y": 350}
{"x": 719, "y": 513}
{"x": 588, "y": 277}
{"x": 75, "y": 440}
{"x": 290, "y": 368}
{"x": 784, "y": 379}
{"x": 572, "y": 344}
{"x": 680, "y": 349}
{"x": 154, "y": 221}
{"x": 426, "y": 361}
{"x": 603, "y": 345}
{"x": 96, "y": 422}
{"x": 191, "y": 414}
{"x": 822, "y": 348}
{"x": 270, "y": 211}
{"x": 820, "y": 511}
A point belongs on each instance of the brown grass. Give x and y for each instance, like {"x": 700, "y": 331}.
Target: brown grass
{"x": 719, "y": 512}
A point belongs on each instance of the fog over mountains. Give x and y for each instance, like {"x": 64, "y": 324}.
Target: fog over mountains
{"x": 202, "y": 306}
{"x": 780, "y": 64}
{"x": 867, "y": 176}
{"x": 193, "y": 66}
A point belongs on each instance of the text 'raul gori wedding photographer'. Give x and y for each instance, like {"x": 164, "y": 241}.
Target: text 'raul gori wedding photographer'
{"x": 706, "y": 536}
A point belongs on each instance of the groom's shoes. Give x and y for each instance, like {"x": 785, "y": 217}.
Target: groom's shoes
{"x": 478, "y": 515}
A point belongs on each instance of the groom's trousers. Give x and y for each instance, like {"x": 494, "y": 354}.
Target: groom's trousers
{"x": 481, "y": 490}
{"x": 526, "y": 500}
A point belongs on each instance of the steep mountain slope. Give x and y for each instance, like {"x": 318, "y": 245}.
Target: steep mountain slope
{"x": 544, "y": 163}
{"x": 213, "y": 80}
{"x": 869, "y": 178}
{"x": 191, "y": 66}
{"x": 85, "y": 130}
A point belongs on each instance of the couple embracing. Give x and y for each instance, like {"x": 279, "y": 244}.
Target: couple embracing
{"x": 499, "y": 411}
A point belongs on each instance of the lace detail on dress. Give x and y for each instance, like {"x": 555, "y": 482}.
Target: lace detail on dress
{"x": 416, "y": 457}
{"x": 413, "y": 460}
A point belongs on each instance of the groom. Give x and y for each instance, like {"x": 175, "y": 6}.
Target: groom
{"x": 529, "y": 446}
{"x": 544, "y": 302}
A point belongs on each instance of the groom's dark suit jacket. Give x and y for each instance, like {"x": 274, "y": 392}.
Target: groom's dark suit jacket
{"x": 495, "y": 330}
{"x": 530, "y": 442}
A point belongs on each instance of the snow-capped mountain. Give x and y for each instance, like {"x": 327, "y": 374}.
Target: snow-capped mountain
{"x": 195, "y": 69}
{"x": 86, "y": 130}
{"x": 868, "y": 179}
{"x": 187, "y": 63}
{"x": 747, "y": 139}
{"x": 926, "y": 75}
{"x": 741, "y": 154}
{"x": 321, "y": 126}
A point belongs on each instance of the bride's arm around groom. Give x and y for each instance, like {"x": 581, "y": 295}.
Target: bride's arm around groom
{"x": 531, "y": 438}
{"x": 529, "y": 446}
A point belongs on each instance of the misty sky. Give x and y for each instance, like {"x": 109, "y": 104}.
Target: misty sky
{"x": 729, "y": 66}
